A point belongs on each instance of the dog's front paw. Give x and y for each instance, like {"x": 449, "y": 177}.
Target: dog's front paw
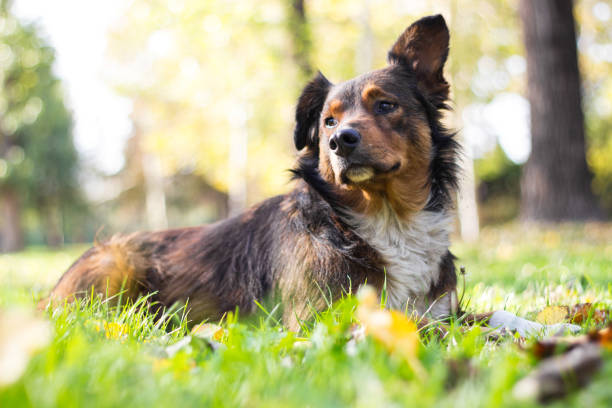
{"x": 527, "y": 328}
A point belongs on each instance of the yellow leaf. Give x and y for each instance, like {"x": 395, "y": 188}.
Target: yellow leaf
{"x": 553, "y": 315}
{"x": 396, "y": 332}
{"x": 209, "y": 331}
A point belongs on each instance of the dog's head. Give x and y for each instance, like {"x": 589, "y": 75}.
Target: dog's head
{"x": 378, "y": 136}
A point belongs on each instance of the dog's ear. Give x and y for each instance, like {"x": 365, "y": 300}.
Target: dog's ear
{"x": 424, "y": 47}
{"x": 308, "y": 110}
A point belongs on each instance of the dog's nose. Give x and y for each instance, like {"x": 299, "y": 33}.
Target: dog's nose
{"x": 344, "y": 141}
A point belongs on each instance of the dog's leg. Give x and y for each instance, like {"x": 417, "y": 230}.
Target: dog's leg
{"x": 526, "y": 328}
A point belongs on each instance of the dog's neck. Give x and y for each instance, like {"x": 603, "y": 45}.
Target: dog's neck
{"x": 412, "y": 250}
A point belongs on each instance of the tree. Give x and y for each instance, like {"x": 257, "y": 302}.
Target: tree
{"x": 213, "y": 80}
{"x": 37, "y": 155}
{"x": 556, "y": 182}
{"x": 299, "y": 31}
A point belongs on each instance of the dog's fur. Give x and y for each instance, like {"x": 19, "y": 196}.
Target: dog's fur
{"x": 375, "y": 179}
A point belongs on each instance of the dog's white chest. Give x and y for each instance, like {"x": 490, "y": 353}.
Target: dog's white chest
{"x": 412, "y": 251}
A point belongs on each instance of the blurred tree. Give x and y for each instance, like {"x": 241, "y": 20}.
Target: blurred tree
{"x": 299, "y": 30}
{"x": 499, "y": 187}
{"x": 206, "y": 77}
{"x": 595, "y": 42}
{"x": 217, "y": 79}
{"x": 37, "y": 156}
{"x": 556, "y": 182}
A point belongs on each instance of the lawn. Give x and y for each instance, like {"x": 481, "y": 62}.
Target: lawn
{"x": 91, "y": 354}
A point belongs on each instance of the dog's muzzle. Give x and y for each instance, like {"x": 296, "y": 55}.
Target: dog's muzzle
{"x": 344, "y": 141}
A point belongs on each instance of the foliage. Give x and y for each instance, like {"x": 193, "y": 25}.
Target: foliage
{"x": 200, "y": 73}
{"x": 196, "y": 71}
{"x": 203, "y": 72}
{"x": 499, "y": 187}
{"x": 37, "y": 155}
{"x": 102, "y": 356}
{"x": 595, "y": 38}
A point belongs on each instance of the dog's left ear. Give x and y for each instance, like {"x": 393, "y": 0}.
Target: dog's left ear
{"x": 424, "y": 48}
{"x": 308, "y": 111}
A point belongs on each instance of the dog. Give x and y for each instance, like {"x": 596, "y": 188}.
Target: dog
{"x": 375, "y": 178}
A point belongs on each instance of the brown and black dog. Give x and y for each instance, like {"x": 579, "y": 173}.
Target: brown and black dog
{"x": 375, "y": 180}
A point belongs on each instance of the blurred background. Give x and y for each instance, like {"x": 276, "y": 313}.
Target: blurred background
{"x": 148, "y": 114}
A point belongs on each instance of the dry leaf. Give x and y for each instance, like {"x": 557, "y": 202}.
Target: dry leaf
{"x": 557, "y": 376}
{"x": 544, "y": 348}
{"x": 553, "y": 315}
{"x": 603, "y": 337}
{"x": 581, "y": 312}
{"x": 577, "y": 314}
{"x": 555, "y": 345}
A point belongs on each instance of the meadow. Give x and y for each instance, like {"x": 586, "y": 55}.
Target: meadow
{"x": 93, "y": 355}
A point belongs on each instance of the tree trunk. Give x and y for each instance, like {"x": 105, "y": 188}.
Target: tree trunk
{"x": 11, "y": 232}
{"x": 299, "y": 33}
{"x": 556, "y": 182}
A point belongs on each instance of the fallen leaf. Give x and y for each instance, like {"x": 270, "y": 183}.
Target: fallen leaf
{"x": 209, "y": 331}
{"x": 557, "y": 376}
{"x": 543, "y": 349}
{"x": 606, "y": 337}
{"x": 581, "y": 312}
{"x": 553, "y": 315}
{"x": 577, "y": 314}
{"x": 396, "y": 332}
{"x": 548, "y": 347}
{"x": 603, "y": 336}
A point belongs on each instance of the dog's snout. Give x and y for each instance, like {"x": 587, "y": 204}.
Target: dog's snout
{"x": 344, "y": 141}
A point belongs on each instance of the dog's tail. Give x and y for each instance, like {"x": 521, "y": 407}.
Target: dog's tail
{"x": 112, "y": 268}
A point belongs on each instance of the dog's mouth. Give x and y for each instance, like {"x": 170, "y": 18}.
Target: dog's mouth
{"x": 356, "y": 173}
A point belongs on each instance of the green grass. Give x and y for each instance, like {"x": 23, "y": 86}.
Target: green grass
{"x": 102, "y": 356}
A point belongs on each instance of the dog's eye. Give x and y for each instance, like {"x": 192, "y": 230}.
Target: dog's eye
{"x": 385, "y": 107}
{"x": 330, "y": 122}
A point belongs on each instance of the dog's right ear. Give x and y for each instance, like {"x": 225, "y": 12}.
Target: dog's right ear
{"x": 308, "y": 111}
